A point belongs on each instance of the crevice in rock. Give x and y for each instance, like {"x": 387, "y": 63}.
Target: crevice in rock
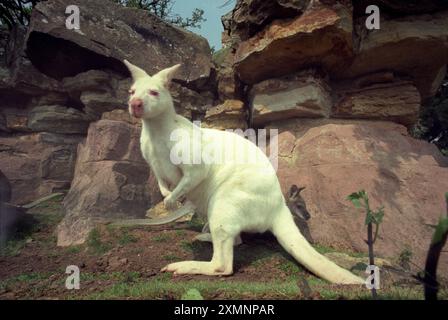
{"x": 59, "y": 58}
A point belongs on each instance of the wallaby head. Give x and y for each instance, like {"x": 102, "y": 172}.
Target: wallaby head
{"x": 149, "y": 96}
{"x": 296, "y": 203}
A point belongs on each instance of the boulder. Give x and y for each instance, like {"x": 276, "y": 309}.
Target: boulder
{"x": 110, "y": 180}
{"x": 97, "y": 102}
{"x": 303, "y": 95}
{"x": 397, "y": 101}
{"x": 250, "y": 16}
{"x": 107, "y": 35}
{"x": 89, "y": 80}
{"x": 426, "y": 36}
{"x": 38, "y": 164}
{"x": 58, "y": 119}
{"x": 334, "y": 158}
{"x": 229, "y": 115}
{"x": 321, "y": 36}
{"x": 227, "y": 83}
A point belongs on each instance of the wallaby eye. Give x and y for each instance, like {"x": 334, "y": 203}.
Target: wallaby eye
{"x": 153, "y": 93}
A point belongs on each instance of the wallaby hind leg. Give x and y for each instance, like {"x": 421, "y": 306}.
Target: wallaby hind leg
{"x": 221, "y": 263}
{"x": 206, "y": 236}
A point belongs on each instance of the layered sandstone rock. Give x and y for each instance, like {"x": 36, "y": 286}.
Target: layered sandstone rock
{"x": 229, "y": 115}
{"x": 322, "y": 35}
{"x": 414, "y": 45}
{"x": 397, "y": 101}
{"x": 108, "y": 34}
{"x": 38, "y": 164}
{"x": 110, "y": 181}
{"x": 304, "y": 95}
{"x": 333, "y": 158}
{"x": 58, "y": 119}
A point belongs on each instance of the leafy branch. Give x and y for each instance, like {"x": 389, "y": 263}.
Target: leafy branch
{"x": 361, "y": 200}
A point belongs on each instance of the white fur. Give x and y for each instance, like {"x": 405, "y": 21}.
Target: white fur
{"x": 234, "y": 197}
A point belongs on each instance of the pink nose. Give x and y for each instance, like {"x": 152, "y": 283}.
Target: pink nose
{"x": 137, "y": 107}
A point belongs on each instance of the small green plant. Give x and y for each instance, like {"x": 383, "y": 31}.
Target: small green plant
{"x": 187, "y": 246}
{"x": 161, "y": 238}
{"x": 126, "y": 238}
{"x": 404, "y": 258}
{"x": 192, "y": 294}
{"x": 95, "y": 244}
{"x": 361, "y": 200}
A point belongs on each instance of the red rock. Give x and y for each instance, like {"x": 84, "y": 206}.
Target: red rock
{"x": 333, "y": 158}
{"x": 321, "y": 35}
{"x": 110, "y": 180}
{"x": 38, "y": 164}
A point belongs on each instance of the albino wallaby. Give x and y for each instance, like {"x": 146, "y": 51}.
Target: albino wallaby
{"x": 235, "y": 197}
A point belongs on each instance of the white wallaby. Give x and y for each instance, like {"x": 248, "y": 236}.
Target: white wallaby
{"x": 235, "y": 196}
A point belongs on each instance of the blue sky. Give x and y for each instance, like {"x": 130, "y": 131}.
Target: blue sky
{"x": 212, "y": 28}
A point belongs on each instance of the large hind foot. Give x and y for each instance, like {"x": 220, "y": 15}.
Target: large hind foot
{"x": 222, "y": 261}
{"x": 197, "y": 267}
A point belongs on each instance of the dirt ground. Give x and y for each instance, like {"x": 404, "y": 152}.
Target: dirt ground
{"x": 125, "y": 263}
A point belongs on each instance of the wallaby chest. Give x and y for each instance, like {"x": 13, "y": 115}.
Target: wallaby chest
{"x": 157, "y": 154}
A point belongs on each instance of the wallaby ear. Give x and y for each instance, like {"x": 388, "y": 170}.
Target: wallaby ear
{"x": 293, "y": 191}
{"x": 166, "y": 75}
{"x": 135, "y": 71}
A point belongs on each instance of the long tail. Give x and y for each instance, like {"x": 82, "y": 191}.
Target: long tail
{"x": 292, "y": 240}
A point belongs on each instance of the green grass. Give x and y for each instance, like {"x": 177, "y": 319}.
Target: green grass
{"x": 187, "y": 246}
{"x": 180, "y": 233}
{"x": 126, "y": 238}
{"x": 164, "y": 237}
{"x": 171, "y": 257}
{"x": 157, "y": 288}
{"x": 95, "y": 244}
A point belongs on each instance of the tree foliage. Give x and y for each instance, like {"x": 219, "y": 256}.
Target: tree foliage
{"x": 164, "y": 10}
{"x": 14, "y": 12}
{"x": 433, "y": 122}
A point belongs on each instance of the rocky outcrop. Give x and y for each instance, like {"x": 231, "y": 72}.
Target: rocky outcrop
{"x": 397, "y": 101}
{"x": 38, "y": 164}
{"x": 331, "y": 35}
{"x": 229, "y": 115}
{"x": 322, "y": 35}
{"x": 108, "y": 34}
{"x": 333, "y": 158}
{"x": 110, "y": 180}
{"x": 303, "y": 95}
{"x": 58, "y": 119}
{"x": 390, "y": 48}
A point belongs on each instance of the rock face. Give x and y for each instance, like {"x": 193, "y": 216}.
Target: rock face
{"x": 388, "y": 49}
{"x": 332, "y": 35}
{"x": 57, "y": 119}
{"x": 229, "y": 115}
{"x": 321, "y": 35}
{"x": 333, "y": 158}
{"x": 57, "y": 81}
{"x": 108, "y": 34}
{"x": 304, "y": 95}
{"x": 38, "y": 164}
{"x": 397, "y": 101}
{"x": 110, "y": 181}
